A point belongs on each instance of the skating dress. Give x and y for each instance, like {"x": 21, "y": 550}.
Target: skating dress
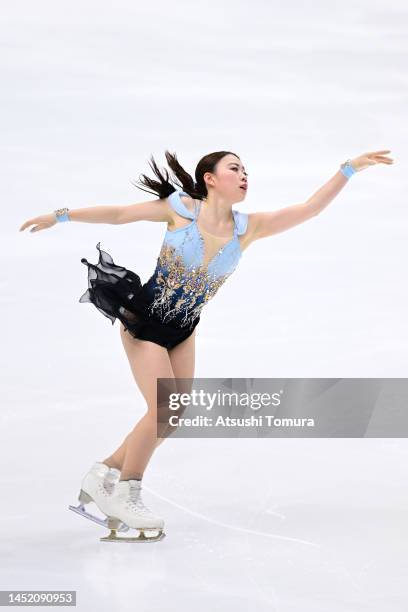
{"x": 166, "y": 308}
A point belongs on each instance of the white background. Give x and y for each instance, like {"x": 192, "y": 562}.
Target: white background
{"x": 89, "y": 91}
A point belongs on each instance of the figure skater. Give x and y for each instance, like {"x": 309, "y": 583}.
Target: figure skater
{"x": 202, "y": 246}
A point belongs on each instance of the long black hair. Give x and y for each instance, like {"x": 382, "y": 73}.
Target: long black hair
{"x": 164, "y": 186}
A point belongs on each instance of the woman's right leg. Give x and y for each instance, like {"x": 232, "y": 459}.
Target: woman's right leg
{"x": 148, "y": 361}
{"x": 182, "y": 359}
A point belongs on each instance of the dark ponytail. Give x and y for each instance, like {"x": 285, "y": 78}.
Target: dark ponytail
{"x": 164, "y": 187}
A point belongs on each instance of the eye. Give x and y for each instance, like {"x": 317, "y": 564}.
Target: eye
{"x": 237, "y": 168}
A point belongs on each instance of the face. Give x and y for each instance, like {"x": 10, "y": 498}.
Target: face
{"x": 229, "y": 178}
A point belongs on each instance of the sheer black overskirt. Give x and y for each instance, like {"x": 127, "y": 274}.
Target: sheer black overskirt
{"x": 118, "y": 293}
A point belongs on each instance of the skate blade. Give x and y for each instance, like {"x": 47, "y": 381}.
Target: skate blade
{"x": 80, "y": 509}
{"x": 141, "y": 538}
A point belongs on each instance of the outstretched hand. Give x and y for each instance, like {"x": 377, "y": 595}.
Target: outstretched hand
{"x": 40, "y": 223}
{"x": 370, "y": 159}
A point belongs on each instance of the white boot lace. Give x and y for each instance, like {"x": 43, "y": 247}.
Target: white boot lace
{"x": 109, "y": 485}
{"x": 135, "y": 501}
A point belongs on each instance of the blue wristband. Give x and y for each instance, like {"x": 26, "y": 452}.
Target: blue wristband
{"x": 347, "y": 169}
{"x": 62, "y": 214}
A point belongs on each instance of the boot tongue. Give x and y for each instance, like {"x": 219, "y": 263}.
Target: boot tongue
{"x": 134, "y": 489}
{"x": 112, "y": 476}
{"x": 135, "y": 484}
{"x": 100, "y": 467}
{"x": 114, "y": 472}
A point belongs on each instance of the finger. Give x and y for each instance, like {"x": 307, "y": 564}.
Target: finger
{"x": 378, "y": 152}
{"x": 26, "y": 224}
{"x": 386, "y": 160}
{"x": 384, "y": 157}
{"x": 39, "y": 227}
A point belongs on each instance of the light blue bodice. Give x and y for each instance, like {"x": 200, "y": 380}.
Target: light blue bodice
{"x": 181, "y": 284}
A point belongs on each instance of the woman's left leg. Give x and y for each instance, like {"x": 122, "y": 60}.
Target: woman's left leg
{"x": 182, "y": 358}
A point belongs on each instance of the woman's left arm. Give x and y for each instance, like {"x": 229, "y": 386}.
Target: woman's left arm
{"x": 265, "y": 224}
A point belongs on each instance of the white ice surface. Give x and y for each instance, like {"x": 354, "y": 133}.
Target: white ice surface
{"x": 89, "y": 91}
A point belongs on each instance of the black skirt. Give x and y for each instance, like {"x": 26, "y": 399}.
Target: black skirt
{"x": 119, "y": 294}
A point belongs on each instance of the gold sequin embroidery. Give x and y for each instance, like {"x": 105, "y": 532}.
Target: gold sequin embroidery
{"x": 196, "y": 285}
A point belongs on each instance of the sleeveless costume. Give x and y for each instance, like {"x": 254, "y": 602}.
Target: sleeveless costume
{"x": 166, "y": 309}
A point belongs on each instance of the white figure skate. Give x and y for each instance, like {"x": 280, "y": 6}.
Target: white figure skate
{"x": 125, "y": 506}
{"x": 97, "y": 486}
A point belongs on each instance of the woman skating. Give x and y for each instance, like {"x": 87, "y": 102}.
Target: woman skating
{"x": 202, "y": 246}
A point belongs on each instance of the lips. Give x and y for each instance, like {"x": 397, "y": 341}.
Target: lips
{"x": 244, "y": 187}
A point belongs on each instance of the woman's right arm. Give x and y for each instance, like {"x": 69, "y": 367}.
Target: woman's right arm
{"x": 153, "y": 210}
